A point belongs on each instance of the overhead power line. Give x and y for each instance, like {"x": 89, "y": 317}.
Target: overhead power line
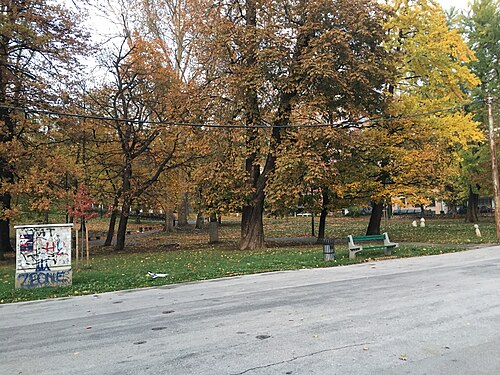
{"x": 341, "y": 124}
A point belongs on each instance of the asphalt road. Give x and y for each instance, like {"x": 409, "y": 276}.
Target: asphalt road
{"x": 430, "y": 315}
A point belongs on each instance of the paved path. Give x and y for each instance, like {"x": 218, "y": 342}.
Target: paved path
{"x": 429, "y": 315}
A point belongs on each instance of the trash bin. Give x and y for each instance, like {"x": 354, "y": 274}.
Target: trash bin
{"x": 328, "y": 249}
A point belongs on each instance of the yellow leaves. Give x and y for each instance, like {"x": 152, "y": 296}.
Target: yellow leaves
{"x": 433, "y": 57}
{"x": 448, "y": 129}
{"x": 460, "y": 129}
{"x": 8, "y": 213}
{"x": 41, "y": 205}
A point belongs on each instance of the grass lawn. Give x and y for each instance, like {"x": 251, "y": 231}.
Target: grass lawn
{"x": 186, "y": 256}
{"x": 440, "y": 231}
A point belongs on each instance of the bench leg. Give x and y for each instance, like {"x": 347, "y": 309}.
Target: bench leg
{"x": 352, "y": 254}
{"x": 387, "y": 250}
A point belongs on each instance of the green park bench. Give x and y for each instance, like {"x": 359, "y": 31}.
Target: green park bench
{"x": 355, "y": 247}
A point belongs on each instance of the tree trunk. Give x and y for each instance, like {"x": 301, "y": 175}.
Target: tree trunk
{"x": 112, "y": 223}
{"x": 169, "y": 221}
{"x": 126, "y": 205}
{"x": 312, "y": 225}
{"x": 375, "y": 219}
{"x": 137, "y": 216}
{"x": 323, "y": 215}
{"x": 182, "y": 219}
{"x": 6, "y": 174}
{"x": 252, "y": 225}
{"x": 213, "y": 228}
{"x": 122, "y": 226}
{"x": 111, "y": 228}
{"x": 5, "y": 245}
{"x": 199, "y": 220}
{"x": 6, "y": 135}
{"x": 452, "y": 210}
{"x": 83, "y": 228}
{"x": 472, "y": 207}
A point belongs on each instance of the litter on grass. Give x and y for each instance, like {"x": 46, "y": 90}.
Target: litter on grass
{"x": 155, "y": 275}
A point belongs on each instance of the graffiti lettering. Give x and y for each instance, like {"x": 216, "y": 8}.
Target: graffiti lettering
{"x": 43, "y": 256}
{"x": 43, "y": 248}
{"x": 40, "y": 279}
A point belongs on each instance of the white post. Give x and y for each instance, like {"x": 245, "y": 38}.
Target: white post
{"x": 76, "y": 246}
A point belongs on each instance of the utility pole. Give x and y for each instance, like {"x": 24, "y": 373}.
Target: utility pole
{"x": 494, "y": 167}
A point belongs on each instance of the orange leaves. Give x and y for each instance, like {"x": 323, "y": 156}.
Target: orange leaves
{"x": 82, "y": 204}
{"x": 149, "y": 60}
{"x": 39, "y": 168}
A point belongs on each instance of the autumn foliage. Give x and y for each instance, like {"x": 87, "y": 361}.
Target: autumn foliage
{"x": 82, "y": 207}
{"x": 245, "y": 106}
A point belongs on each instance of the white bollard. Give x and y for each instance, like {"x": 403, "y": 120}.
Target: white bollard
{"x": 478, "y": 232}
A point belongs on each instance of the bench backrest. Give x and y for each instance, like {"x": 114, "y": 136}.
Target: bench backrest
{"x": 372, "y": 237}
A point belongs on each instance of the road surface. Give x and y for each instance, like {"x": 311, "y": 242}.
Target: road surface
{"x": 428, "y": 315}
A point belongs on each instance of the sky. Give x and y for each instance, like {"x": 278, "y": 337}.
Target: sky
{"x": 104, "y": 26}
{"x": 461, "y": 4}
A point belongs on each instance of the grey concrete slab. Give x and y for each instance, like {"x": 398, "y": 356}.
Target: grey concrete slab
{"x": 429, "y": 315}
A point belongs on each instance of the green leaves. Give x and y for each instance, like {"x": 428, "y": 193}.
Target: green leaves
{"x": 481, "y": 26}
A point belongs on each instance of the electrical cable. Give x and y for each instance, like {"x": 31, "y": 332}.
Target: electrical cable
{"x": 340, "y": 124}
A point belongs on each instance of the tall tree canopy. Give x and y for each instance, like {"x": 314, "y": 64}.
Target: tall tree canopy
{"x": 40, "y": 43}
{"x": 481, "y": 28}
{"x": 416, "y": 155}
{"x": 264, "y": 63}
{"x": 172, "y": 23}
{"x": 144, "y": 100}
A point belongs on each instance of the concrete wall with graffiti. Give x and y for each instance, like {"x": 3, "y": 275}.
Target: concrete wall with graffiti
{"x": 43, "y": 255}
